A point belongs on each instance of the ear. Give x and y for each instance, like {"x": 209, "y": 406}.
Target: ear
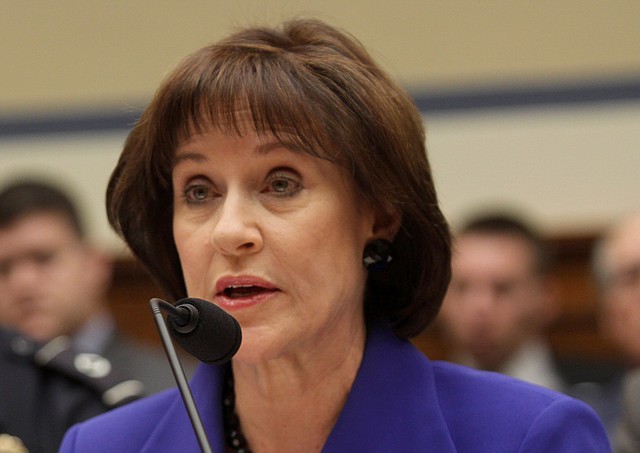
{"x": 550, "y": 288}
{"x": 609, "y": 319}
{"x": 387, "y": 222}
{"x": 100, "y": 267}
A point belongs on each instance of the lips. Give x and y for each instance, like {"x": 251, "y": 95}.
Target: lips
{"x": 242, "y": 291}
{"x": 236, "y": 292}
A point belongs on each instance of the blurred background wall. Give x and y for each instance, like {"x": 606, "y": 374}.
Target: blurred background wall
{"x": 529, "y": 103}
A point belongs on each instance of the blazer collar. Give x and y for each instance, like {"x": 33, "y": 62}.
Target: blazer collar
{"x": 175, "y": 432}
{"x": 393, "y": 405}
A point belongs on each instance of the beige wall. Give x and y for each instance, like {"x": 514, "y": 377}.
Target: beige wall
{"x": 79, "y": 52}
{"x": 575, "y": 168}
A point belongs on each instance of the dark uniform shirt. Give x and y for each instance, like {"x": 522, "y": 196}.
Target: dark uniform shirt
{"x": 46, "y": 388}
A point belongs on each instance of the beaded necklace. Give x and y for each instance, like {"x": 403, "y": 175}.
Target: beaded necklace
{"x": 233, "y": 432}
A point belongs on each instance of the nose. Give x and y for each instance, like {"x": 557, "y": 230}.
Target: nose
{"x": 236, "y": 229}
{"x": 480, "y": 302}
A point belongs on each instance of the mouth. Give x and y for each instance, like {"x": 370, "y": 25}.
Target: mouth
{"x": 234, "y": 292}
{"x": 241, "y": 291}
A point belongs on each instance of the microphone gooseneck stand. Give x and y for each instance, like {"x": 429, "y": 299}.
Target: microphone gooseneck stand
{"x": 178, "y": 373}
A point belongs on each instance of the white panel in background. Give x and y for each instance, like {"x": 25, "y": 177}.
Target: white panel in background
{"x": 572, "y": 168}
{"x": 81, "y": 162}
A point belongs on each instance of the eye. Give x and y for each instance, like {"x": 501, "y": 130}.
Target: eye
{"x": 459, "y": 287}
{"x": 197, "y": 193}
{"x": 43, "y": 257}
{"x": 504, "y": 288}
{"x": 5, "y": 268}
{"x": 628, "y": 277}
{"x": 280, "y": 185}
{"x": 283, "y": 183}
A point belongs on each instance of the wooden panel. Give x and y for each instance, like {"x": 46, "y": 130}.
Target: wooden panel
{"x": 129, "y": 297}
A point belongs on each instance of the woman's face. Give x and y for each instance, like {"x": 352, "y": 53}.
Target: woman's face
{"x": 275, "y": 237}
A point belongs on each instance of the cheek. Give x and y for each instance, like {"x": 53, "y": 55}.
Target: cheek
{"x": 190, "y": 251}
{"x": 66, "y": 275}
{"x": 630, "y": 315}
{"x": 320, "y": 255}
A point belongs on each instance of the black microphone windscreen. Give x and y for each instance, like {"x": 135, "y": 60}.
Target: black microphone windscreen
{"x": 215, "y": 339}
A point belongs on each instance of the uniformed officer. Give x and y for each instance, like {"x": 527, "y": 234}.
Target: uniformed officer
{"x": 54, "y": 281}
{"x": 47, "y": 387}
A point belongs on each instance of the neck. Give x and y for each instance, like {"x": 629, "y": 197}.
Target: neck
{"x": 292, "y": 403}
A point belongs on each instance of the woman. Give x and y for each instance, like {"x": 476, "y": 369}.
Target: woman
{"x": 282, "y": 175}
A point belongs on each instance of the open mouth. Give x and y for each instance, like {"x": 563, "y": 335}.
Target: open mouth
{"x": 236, "y": 292}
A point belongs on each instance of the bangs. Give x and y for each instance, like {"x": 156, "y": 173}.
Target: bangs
{"x": 235, "y": 90}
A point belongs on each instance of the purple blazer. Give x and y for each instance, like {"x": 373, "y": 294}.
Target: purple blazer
{"x": 400, "y": 402}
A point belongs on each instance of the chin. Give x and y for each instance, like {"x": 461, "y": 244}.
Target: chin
{"x": 257, "y": 347}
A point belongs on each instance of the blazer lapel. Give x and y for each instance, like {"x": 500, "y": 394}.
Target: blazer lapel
{"x": 393, "y": 405}
{"x": 175, "y": 432}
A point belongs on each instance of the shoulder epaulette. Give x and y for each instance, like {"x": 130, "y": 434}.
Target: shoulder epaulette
{"x": 92, "y": 370}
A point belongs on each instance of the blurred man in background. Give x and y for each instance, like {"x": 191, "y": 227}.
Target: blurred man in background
{"x": 43, "y": 392}
{"x": 501, "y": 300}
{"x": 63, "y": 359}
{"x": 54, "y": 283}
{"x": 616, "y": 263}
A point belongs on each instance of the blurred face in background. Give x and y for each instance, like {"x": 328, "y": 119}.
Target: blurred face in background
{"x": 51, "y": 282}
{"x": 620, "y": 317}
{"x": 496, "y": 300}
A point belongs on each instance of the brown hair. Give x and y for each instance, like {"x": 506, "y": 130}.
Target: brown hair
{"x": 25, "y": 197}
{"x": 511, "y": 225}
{"x": 318, "y": 85}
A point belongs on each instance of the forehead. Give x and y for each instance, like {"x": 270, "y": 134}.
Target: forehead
{"x": 226, "y": 151}
{"x": 222, "y": 148}
{"x": 624, "y": 246}
{"x": 37, "y": 229}
{"x": 492, "y": 253}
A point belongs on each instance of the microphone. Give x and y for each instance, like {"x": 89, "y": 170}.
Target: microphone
{"x": 204, "y": 330}
{"x": 220, "y": 338}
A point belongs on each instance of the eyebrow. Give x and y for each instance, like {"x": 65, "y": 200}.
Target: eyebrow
{"x": 196, "y": 157}
{"x": 263, "y": 148}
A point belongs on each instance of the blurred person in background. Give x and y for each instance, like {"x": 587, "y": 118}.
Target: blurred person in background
{"x": 626, "y": 438}
{"x": 45, "y": 389}
{"x": 501, "y": 300}
{"x": 54, "y": 283}
{"x": 62, "y": 358}
{"x": 616, "y": 264}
